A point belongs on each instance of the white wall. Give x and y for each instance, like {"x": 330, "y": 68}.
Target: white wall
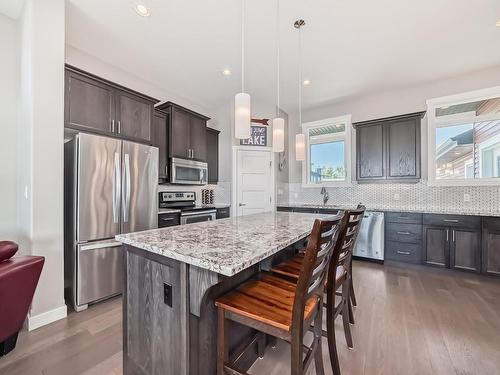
{"x": 40, "y": 151}
{"x": 9, "y": 92}
{"x": 390, "y": 103}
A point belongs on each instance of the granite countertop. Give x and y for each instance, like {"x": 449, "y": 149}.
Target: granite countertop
{"x": 424, "y": 210}
{"x": 226, "y": 246}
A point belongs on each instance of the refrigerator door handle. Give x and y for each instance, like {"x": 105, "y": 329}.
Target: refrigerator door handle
{"x": 126, "y": 196}
{"x": 116, "y": 187}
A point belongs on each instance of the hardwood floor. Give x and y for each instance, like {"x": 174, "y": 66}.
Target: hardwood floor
{"x": 410, "y": 320}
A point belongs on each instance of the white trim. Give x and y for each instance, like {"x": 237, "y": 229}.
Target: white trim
{"x": 47, "y": 317}
{"x": 234, "y": 184}
{"x": 433, "y": 123}
{"x": 344, "y": 120}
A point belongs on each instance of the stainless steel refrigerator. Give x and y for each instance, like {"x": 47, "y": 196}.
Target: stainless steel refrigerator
{"x": 110, "y": 188}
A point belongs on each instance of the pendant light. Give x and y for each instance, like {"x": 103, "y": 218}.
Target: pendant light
{"x": 278, "y": 121}
{"x": 300, "y": 139}
{"x": 242, "y": 101}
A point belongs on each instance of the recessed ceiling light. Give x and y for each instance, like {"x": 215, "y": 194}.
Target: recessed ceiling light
{"x": 226, "y": 72}
{"x": 307, "y": 82}
{"x": 142, "y": 10}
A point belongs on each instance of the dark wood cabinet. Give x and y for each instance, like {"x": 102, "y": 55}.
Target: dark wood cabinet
{"x": 99, "y": 106}
{"x": 436, "y": 244}
{"x": 160, "y": 140}
{"x": 223, "y": 212}
{"x": 403, "y": 237}
{"x": 491, "y": 246}
{"x": 465, "y": 249}
{"x": 212, "y": 144}
{"x": 187, "y": 132}
{"x": 388, "y": 149}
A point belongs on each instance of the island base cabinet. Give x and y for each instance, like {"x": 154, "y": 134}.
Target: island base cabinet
{"x": 491, "y": 247}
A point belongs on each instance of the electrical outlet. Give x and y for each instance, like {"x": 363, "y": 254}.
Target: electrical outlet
{"x": 466, "y": 197}
{"x": 397, "y": 197}
{"x": 167, "y": 294}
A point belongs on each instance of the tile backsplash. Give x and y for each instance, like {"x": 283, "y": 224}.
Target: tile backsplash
{"x": 480, "y": 200}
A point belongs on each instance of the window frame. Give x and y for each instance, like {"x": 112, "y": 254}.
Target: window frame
{"x": 433, "y": 123}
{"x": 345, "y": 120}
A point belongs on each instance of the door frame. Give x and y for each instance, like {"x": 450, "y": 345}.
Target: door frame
{"x": 234, "y": 198}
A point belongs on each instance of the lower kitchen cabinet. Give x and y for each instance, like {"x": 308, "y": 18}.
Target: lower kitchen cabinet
{"x": 491, "y": 246}
{"x": 436, "y": 244}
{"x": 223, "y": 213}
{"x": 465, "y": 249}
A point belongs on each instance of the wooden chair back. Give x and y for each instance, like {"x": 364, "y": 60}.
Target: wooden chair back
{"x": 322, "y": 242}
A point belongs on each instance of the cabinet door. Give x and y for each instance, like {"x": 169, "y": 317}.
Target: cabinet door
{"x": 134, "y": 116}
{"x": 436, "y": 242}
{"x": 213, "y": 155}
{"x": 198, "y": 138}
{"x": 179, "y": 133}
{"x": 465, "y": 250}
{"x": 491, "y": 247}
{"x": 160, "y": 140}
{"x": 370, "y": 152}
{"x": 89, "y": 104}
{"x": 403, "y": 149}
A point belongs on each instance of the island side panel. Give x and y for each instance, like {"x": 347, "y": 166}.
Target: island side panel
{"x": 155, "y": 335}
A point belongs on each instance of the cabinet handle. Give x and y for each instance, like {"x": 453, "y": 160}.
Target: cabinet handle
{"x": 112, "y": 126}
{"x": 119, "y": 127}
{"x": 167, "y": 219}
{"x": 453, "y": 235}
{"x": 450, "y": 220}
{"x": 447, "y": 235}
{"x": 403, "y": 252}
{"x": 189, "y": 153}
{"x": 404, "y": 233}
{"x": 192, "y": 153}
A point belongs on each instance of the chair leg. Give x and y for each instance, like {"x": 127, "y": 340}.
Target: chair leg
{"x": 8, "y": 345}
{"x": 222, "y": 348}
{"x": 351, "y": 312}
{"x": 318, "y": 356}
{"x": 261, "y": 344}
{"x": 345, "y": 314}
{"x": 352, "y": 296}
{"x": 330, "y": 329}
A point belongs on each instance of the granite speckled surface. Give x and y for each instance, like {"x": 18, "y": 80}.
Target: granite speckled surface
{"x": 226, "y": 246}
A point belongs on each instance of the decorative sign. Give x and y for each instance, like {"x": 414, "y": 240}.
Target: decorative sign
{"x": 258, "y": 137}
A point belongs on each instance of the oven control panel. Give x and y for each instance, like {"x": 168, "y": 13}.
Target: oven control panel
{"x": 172, "y": 196}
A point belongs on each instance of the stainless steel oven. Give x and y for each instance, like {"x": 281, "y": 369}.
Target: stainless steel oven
{"x": 198, "y": 216}
{"x": 189, "y": 172}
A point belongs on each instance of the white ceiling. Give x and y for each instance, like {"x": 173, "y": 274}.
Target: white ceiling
{"x": 350, "y": 47}
{"x": 11, "y": 8}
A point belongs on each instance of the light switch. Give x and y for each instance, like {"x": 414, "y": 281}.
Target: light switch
{"x": 466, "y": 197}
{"x": 397, "y": 197}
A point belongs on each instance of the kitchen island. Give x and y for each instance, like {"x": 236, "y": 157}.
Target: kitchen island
{"x": 172, "y": 277}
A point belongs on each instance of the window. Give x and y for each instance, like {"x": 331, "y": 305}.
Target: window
{"x": 464, "y": 139}
{"x": 328, "y": 152}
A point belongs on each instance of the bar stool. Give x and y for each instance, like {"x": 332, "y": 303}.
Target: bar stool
{"x": 281, "y": 308}
{"x": 339, "y": 282}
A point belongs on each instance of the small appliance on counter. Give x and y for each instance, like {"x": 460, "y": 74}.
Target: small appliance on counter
{"x": 207, "y": 196}
{"x": 370, "y": 242}
{"x": 185, "y": 201}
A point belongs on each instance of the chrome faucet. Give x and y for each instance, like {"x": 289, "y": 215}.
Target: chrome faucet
{"x": 325, "y": 195}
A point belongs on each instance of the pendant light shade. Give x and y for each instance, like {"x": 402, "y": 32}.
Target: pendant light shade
{"x": 278, "y": 134}
{"x": 242, "y": 120}
{"x": 242, "y": 101}
{"x": 300, "y": 147}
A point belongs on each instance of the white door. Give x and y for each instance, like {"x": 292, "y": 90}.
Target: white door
{"x": 254, "y": 181}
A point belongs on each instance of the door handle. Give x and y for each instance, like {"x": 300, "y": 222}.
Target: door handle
{"x": 126, "y": 196}
{"x": 116, "y": 187}
{"x": 450, "y": 220}
{"x": 403, "y": 252}
{"x": 192, "y": 153}
{"x": 242, "y": 204}
{"x": 119, "y": 127}
{"x": 404, "y": 233}
{"x": 166, "y": 171}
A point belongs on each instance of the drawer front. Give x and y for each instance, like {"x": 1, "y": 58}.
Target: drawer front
{"x": 222, "y": 213}
{"x": 168, "y": 220}
{"x": 452, "y": 220}
{"x": 410, "y": 233}
{"x": 403, "y": 217}
{"x": 403, "y": 252}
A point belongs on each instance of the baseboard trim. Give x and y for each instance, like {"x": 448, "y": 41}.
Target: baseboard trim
{"x": 47, "y": 317}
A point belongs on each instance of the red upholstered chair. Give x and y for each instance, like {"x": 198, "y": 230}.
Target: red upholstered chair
{"x": 18, "y": 280}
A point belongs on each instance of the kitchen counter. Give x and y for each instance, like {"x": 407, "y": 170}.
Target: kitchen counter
{"x": 225, "y": 246}
{"x": 173, "y": 276}
{"x": 424, "y": 210}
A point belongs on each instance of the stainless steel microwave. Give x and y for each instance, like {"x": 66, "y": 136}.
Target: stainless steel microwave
{"x": 188, "y": 172}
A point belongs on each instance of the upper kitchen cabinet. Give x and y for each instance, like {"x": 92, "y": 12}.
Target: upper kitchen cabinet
{"x": 389, "y": 149}
{"x": 212, "y": 141}
{"x": 99, "y": 106}
{"x": 187, "y": 132}
{"x": 160, "y": 140}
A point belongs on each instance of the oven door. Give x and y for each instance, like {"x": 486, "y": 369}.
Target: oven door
{"x": 189, "y": 172}
{"x": 197, "y": 216}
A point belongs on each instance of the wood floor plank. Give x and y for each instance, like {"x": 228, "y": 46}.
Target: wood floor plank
{"x": 410, "y": 320}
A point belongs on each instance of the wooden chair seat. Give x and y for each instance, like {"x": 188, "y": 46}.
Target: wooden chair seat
{"x": 268, "y": 300}
{"x": 291, "y": 268}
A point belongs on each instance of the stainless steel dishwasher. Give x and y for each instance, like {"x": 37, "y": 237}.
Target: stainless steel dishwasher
{"x": 370, "y": 243}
